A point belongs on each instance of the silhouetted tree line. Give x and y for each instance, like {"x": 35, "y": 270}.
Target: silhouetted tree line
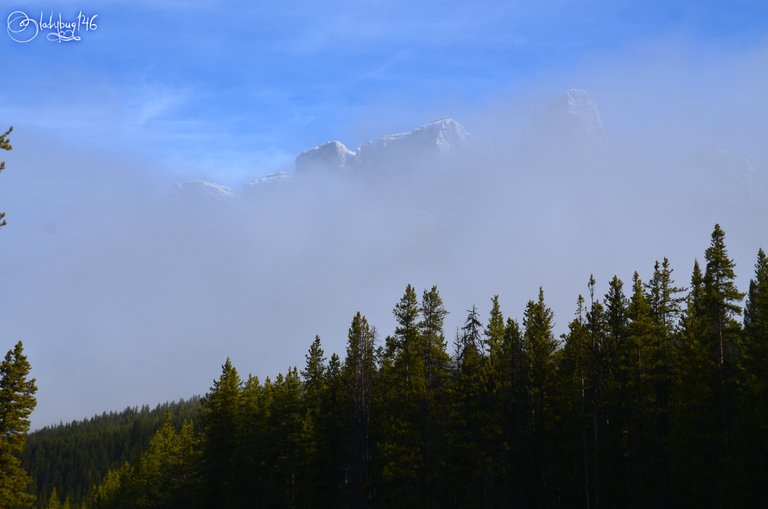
{"x": 656, "y": 396}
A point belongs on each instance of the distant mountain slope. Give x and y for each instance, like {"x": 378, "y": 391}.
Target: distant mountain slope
{"x": 73, "y": 457}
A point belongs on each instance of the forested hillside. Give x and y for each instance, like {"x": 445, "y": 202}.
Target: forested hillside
{"x": 73, "y": 457}
{"x": 656, "y": 396}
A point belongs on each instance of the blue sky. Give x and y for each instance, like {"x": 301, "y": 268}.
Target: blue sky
{"x": 230, "y": 92}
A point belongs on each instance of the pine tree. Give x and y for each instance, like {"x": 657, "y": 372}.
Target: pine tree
{"x": 470, "y": 339}
{"x": 436, "y": 362}
{"x": 53, "y": 500}
{"x": 516, "y": 405}
{"x": 494, "y": 427}
{"x": 756, "y": 379}
{"x": 640, "y": 338}
{"x": 467, "y": 417}
{"x": 756, "y": 323}
{"x": 720, "y": 303}
{"x": 5, "y": 144}
{"x": 662, "y": 296}
{"x": 314, "y": 441}
{"x": 575, "y": 385}
{"x": 722, "y": 337}
{"x": 693, "y": 415}
{"x": 221, "y": 419}
{"x": 359, "y": 374}
{"x": 17, "y": 400}
{"x": 599, "y": 378}
{"x": 619, "y": 404}
{"x": 402, "y": 399}
{"x": 540, "y": 347}
{"x": 285, "y": 434}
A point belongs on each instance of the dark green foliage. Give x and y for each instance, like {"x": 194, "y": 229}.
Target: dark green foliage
{"x": 220, "y": 422}
{"x": 17, "y": 400}
{"x": 755, "y": 345}
{"x": 654, "y": 398}
{"x": 73, "y": 457}
{"x": 165, "y": 475}
{"x": 359, "y": 375}
{"x": 5, "y": 144}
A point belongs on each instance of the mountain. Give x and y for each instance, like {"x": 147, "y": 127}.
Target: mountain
{"x": 572, "y": 117}
{"x": 439, "y": 138}
{"x": 201, "y": 189}
{"x": 278, "y": 176}
{"x": 575, "y": 114}
{"x": 333, "y": 155}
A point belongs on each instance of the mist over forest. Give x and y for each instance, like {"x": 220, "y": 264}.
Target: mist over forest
{"x": 127, "y": 292}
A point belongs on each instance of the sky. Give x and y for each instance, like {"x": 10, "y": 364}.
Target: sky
{"x": 125, "y": 296}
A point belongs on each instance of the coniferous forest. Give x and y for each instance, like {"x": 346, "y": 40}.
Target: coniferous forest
{"x": 656, "y": 396}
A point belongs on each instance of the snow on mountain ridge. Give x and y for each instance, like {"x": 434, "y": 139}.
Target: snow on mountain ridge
{"x": 331, "y": 155}
{"x": 581, "y": 107}
{"x": 442, "y": 136}
{"x": 278, "y": 176}
{"x": 205, "y": 189}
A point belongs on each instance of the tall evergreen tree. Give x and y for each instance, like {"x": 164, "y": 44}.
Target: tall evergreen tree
{"x": 720, "y": 304}
{"x": 470, "y": 338}
{"x": 496, "y": 391}
{"x": 540, "y": 346}
{"x": 359, "y": 374}
{"x": 221, "y": 426}
{"x": 17, "y": 400}
{"x": 468, "y": 416}
{"x": 436, "y": 364}
{"x": 755, "y": 405}
{"x": 404, "y": 387}
{"x": 575, "y": 386}
{"x": 693, "y": 416}
{"x": 664, "y": 301}
{"x": 599, "y": 370}
{"x": 318, "y": 482}
{"x": 619, "y": 405}
{"x": 515, "y": 396}
{"x": 756, "y": 322}
{"x": 5, "y": 144}
{"x": 722, "y": 337}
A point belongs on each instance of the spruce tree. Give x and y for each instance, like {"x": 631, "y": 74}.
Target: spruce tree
{"x": 575, "y": 384}
{"x": 314, "y": 440}
{"x": 720, "y": 304}
{"x": 359, "y": 373}
{"x": 5, "y": 144}
{"x": 756, "y": 321}
{"x": 53, "y": 500}
{"x": 640, "y": 337}
{"x": 755, "y": 406}
{"x": 693, "y": 415}
{"x": 496, "y": 389}
{"x": 17, "y": 400}
{"x": 540, "y": 347}
{"x": 468, "y": 417}
{"x": 619, "y": 404}
{"x": 664, "y": 302}
{"x": 436, "y": 364}
{"x": 221, "y": 426}
{"x": 402, "y": 398}
{"x": 516, "y": 404}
